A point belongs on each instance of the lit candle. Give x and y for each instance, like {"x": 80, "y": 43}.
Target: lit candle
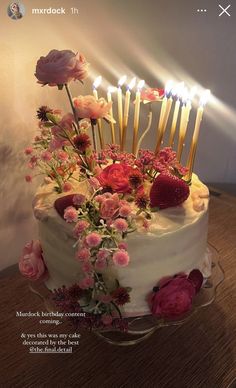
{"x": 164, "y": 115}
{"x": 110, "y": 90}
{"x": 96, "y": 83}
{"x": 126, "y": 111}
{"x": 120, "y": 105}
{"x": 187, "y": 98}
{"x": 177, "y": 92}
{"x": 193, "y": 147}
{"x": 136, "y": 115}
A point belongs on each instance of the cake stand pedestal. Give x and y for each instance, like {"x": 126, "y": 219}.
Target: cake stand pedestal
{"x": 140, "y": 328}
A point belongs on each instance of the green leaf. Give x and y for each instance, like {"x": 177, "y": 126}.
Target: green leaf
{"x": 54, "y": 119}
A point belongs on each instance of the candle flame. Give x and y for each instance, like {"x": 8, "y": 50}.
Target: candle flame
{"x": 141, "y": 84}
{"x": 169, "y": 86}
{"x": 185, "y": 95}
{"x": 122, "y": 80}
{"x": 111, "y": 89}
{"x": 97, "y": 82}
{"x": 178, "y": 90}
{"x": 193, "y": 92}
{"x": 132, "y": 83}
{"x": 205, "y": 97}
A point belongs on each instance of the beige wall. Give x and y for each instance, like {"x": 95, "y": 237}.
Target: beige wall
{"x": 154, "y": 40}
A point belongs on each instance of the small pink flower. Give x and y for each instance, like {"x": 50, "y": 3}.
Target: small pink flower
{"x": 28, "y": 150}
{"x": 146, "y": 224}
{"x": 62, "y": 155}
{"x": 79, "y": 199}
{"x": 87, "y": 282}
{"x": 123, "y": 245}
{"x": 125, "y": 211}
{"x": 46, "y": 156}
{"x": 109, "y": 207}
{"x": 31, "y": 264}
{"x": 80, "y": 227}
{"x": 106, "y": 319}
{"x": 152, "y": 94}
{"x": 87, "y": 107}
{"x": 83, "y": 254}
{"x": 70, "y": 214}
{"x": 93, "y": 239}
{"x": 121, "y": 258}
{"x": 120, "y": 225}
{"x": 28, "y": 178}
{"x": 87, "y": 266}
{"x": 102, "y": 254}
{"x": 67, "y": 186}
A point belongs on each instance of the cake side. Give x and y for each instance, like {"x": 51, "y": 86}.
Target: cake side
{"x": 175, "y": 242}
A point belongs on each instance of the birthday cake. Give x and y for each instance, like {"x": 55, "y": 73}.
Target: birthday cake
{"x": 121, "y": 234}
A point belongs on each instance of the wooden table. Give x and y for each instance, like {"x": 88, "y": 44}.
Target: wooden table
{"x": 202, "y": 353}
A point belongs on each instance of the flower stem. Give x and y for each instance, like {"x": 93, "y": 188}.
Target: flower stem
{"x": 94, "y": 137}
{"x": 72, "y": 107}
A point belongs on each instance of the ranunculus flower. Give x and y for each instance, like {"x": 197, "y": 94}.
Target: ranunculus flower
{"x": 174, "y": 296}
{"x": 31, "y": 264}
{"x": 116, "y": 177}
{"x": 87, "y": 107}
{"x": 152, "y": 94}
{"x": 61, "y": 67}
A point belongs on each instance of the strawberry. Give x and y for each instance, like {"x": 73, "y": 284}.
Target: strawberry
{"x": 62, "y": 203}
{"x": 168, "y": 191}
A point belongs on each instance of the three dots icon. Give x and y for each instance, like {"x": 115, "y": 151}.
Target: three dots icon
{"x": 201, "y": 10}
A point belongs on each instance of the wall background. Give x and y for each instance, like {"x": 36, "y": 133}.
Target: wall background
{"x": 153, "y": 39}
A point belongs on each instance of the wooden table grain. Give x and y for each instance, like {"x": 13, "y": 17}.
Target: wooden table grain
{"x": 201, "y": 353}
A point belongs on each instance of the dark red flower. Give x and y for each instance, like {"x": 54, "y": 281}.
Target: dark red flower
{"x": 121, "y": 296}
{"x": 42, "y": 112}
{"x": 141, "y": 199}
{"x": 82, "y": 142}
{"x": 135, "y": 179}
{"x": 116, "y": 177}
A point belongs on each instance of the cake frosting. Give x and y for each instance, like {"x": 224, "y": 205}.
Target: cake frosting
{"x": 176, "y": 241}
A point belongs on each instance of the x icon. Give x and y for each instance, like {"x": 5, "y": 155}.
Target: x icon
{"x": 224, "y": 10}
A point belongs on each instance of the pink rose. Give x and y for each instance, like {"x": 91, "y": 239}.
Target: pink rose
{"x": 61, "y": 67}
{"x": 31, "y": 264}
{"x": 152, "y": 94}
{"x": 90, "y": 108}
{"x": 116, "y": 177}
{"x": 109, "y": 207}
{"x": 174, "y": 296}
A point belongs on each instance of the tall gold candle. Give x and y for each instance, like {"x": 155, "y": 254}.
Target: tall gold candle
{"x": 174, "y": 123}
{"x": 178, "y": 93}
{"x": 120, "y": 106}
{"x": 110, "y": 90}
{"x": 126, "y": 112}
{"x": 164, "y": 115}
{"x": 193, "y": 147}
{"x": 136, "y": 116}
{"x": 96, "y": 83}
{"x": 183, "y": 129}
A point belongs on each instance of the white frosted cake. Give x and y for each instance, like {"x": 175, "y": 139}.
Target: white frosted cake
{"x": 176, "y": 241}
{"x": 121, "y": 233}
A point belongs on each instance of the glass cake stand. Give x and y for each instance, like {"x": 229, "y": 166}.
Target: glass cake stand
{"x": 140, "y": 328}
